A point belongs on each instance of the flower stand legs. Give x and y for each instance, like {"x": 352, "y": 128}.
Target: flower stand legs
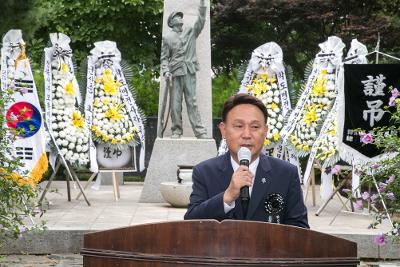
{"x": 71, "y": 175}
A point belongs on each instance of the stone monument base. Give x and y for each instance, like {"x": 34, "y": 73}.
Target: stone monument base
{"x": 167, "y": 154}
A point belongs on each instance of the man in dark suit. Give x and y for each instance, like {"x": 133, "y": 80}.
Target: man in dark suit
{"x": 217, "y": 181}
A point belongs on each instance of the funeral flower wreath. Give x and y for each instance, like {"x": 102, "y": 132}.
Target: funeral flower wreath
{"x": 315, "y": 110}
{"x": 111, "y": 123}
{"x": 68, "y": 124}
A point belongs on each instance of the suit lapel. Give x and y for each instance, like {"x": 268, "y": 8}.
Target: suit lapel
{"x": 262, "y": 180}
{"x": 226, "y": 171}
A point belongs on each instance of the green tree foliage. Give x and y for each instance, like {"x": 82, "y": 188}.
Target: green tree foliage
{"x": 135, "y": 25}
{"x": 18, "y": 14}
{"x": 224, "y": 85}
{"x": 147, "y": 89}
{"x": 237, "y": 28}
{"x": 298, "y": 26}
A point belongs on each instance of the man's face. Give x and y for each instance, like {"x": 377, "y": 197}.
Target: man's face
{"x": 177, "y": 23}
{"x": 245, "y": 125}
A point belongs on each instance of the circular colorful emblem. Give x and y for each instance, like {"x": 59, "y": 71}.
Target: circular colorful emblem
{"x": 25, "y": 118}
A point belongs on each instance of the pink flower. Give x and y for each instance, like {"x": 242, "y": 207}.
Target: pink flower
{"x": 365, "y": 195}
{"x": 395, "y": 93}
{"x": 391, "y": 179}
{"x": 380, "y": 240}
{"x": 336, "y": 169}
{"x": 357, "y": 172}
{"x": 375, "y": 166}
{"x": 366, "y": 138}
{"x": 392, "y": 102}
{"x": 390, "y": 196}
{"x": 382, "y": 187}
{"x": 373, "y": 198}
{"x": 22, "y": 229}
{"x": 358, "y": 205}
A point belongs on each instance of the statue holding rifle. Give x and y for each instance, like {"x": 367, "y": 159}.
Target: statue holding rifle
{"x": 179, "y": 65}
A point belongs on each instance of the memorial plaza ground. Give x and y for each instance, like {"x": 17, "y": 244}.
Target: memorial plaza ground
{"x": 67, "y": 221}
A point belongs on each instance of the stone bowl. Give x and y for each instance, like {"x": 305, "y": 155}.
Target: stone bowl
{"x": 176, "y": 194}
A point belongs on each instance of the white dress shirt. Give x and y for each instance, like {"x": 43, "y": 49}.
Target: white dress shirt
{"x": 253, "y": 168}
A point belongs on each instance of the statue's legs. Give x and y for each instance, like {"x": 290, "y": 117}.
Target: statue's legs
{"x": 191, "y": 103}
{"x": 176, "y": 106}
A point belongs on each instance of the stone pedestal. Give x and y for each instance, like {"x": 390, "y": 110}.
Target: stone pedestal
{"x": 166, "y": 156}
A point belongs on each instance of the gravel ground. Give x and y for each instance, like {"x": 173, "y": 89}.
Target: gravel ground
{"x": 54, "y": 260}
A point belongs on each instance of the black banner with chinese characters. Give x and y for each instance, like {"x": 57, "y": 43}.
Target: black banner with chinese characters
{"x": 367, "y": 92}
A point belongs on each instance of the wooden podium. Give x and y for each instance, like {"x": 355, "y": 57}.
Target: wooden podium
{"x": 213, "y": 243}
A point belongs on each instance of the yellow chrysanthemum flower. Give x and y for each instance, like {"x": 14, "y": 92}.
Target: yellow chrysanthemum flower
{"x": 94, "y": 127}
{"x": 311, "y": 115}
{"x": 264, "y": 77}
{"x": 272, "y": 80}
{"x": 122, "y": 142}
{"x": 64, "y": 68}
{"x": 274, "y": 105}
{"x": 96, "y": 103}
{"x": 276, "y": 136}
{"x": 77, "y": 119}
{"x": 266, "y": 142}
{"x": 110, "y": 88}
{"x": 319, "y": 88}
{"x": 107, "y": 72}
{"x": 105, "y": 101}
{"x": 110, "y": 85}
{"x": 69, "y": 88}
{"x": 97, "y": 132}
{"x": 114, "y": 113}
{"x": 129, "y": 137}
{"x": 106, "y": 138}
{"x": 293, "y": 139}
{"x": 113, "y": 141}
{"x": 259, "y": 88}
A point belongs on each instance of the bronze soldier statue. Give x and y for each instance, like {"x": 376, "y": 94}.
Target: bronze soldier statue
{"x": 179, "y": 63}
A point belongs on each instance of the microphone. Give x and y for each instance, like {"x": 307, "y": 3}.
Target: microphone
{"x": 244, "y": 156}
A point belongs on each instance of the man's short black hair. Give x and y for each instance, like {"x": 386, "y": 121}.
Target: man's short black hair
{"x": 240, "y": 99}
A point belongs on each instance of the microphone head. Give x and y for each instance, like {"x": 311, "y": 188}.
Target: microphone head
{"x": 244, "y": 154}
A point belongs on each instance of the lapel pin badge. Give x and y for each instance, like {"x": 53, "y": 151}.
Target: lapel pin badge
{"x": 263, "y": 180}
